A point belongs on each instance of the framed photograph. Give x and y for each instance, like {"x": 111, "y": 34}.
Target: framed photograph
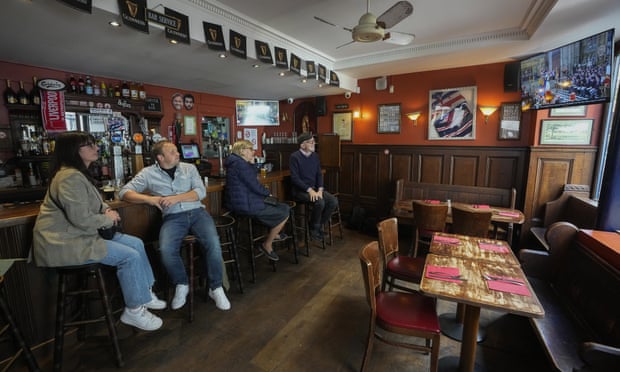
{"x": 568, "y": 111}
{"x": 566, "y": 132}
{"x": 452, "y": 114}
{"x": 343, "y": 125}
{"x": 510, "y": 121}
{"x": 388, "y": 118}
{"x": 189, "y": 125}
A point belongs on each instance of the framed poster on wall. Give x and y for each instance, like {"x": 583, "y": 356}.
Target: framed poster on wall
{"x": 343, "y": 125}
{"x": 566, "y": 132}
{"x": 388, "y": 117}
{"x": 510, "y": 121}
{"x": 452, "y": 114}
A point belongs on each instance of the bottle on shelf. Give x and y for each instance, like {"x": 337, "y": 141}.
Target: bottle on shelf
{"x": 133, "y": 90}
{"x": 73, "y": 85}
{"x": 125, "y": 91}
{"x": 141, "y": 92}
{"x": 81, "y": 86}
{"x": 117, "y": 91}
{"x": 22, "y": 97}
{"x": 88, "y": 86}
{"x": 32, "y": 179}
{"x": 96, "y": 89}
{"x": 35, "y": 93}
{"x": 9, "y": 94}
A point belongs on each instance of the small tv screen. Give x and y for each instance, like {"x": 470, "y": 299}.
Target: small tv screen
{"x": 257, "y": 112}
{"x": 189, "y": 151}
{"x": 578, "y": 73}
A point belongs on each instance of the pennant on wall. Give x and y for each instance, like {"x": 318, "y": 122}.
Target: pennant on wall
{"x": 295, "y": 64}
{"x": 214, "y": 36}
{"x": 133, "y": 14}
{"x": 181, "y": 34}
{"x": 333, "y": 79}
{"x": 263, "y": 53}
{"x": 322, "y": 73}
{"x": 238, "y": 45}
{"x": 83, "y": 5}
{"x": 310, "y": 70}
{"x": 281, "y": 60}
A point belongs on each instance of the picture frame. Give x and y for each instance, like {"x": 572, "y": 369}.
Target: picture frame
{"x": 510, "y": 121}
{"x": 452, "y": 113}
{"x": 342, "y": 124}
{"x": 568, "y": 111}
{"x": 566, "y": 132}
{"x": 189, "y": 125}
{"x": 388, "y": 118}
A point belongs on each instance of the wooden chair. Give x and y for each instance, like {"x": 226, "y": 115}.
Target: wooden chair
{"x": 470, "y": 222}
{"x": 395, "y": 266}
{"x": 401, "y": 313}
{"x": 427, "y": 219}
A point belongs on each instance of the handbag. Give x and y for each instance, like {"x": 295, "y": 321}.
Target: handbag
{"x": 107, "y": 233}
{"x": 271, "y": 200}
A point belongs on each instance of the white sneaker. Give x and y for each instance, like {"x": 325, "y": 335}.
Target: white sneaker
{"x": 142, "y": 319}
{"x": 218, "y": 295}
{"x": 155, "y": 303}
{"x": 180, "y": 294}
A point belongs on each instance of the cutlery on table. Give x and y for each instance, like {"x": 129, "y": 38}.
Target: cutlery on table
{"x": 501, "y": 279}
{"x": 442, "y": 275}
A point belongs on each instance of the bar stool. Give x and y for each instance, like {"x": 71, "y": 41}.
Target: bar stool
{"x": 80, "y": 316}
{"x": 335, "y": 220}
{"x": 290, "y": 227}
{"x": 225, "y": 227}
{"x": 255, "y": 233}
{"x": 304, "y": 210}
{"x": 189, "y": 244}
{"x": 17, "y": 334}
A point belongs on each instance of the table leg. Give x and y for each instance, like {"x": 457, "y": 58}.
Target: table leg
{"x": 470, "y": 334}
{"x": 451, "y": 324}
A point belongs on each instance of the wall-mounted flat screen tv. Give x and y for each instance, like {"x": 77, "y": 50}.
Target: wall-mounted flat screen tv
{"x": 578, "y": 73}
{"x": 257, "y": 112}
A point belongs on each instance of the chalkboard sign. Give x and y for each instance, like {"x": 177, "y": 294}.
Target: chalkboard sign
{"x": 152, "y": 104}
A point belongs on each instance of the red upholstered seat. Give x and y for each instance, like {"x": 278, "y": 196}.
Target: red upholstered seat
{"x": 406, "y": 268}
{"x": 407, "y": 310}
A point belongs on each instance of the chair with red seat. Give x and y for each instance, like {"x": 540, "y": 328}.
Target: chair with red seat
{"x": 396, "y": 266}
{"x": 400, "y": 313}
{"x": 428, "y": 218}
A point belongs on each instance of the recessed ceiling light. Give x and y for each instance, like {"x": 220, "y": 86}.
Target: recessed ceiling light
{"x": 281, "y": 73}
{"x": 172, "y": 41}
{"x": 304, "y": 80}
{"x": 222, "y": 55}
{"x": 255, "y": 65}
{"x": 114, "y": 23}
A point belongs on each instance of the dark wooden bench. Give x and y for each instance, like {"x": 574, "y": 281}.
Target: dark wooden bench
{"x": 573, "y": 205}
{"x": 580, "y": 293}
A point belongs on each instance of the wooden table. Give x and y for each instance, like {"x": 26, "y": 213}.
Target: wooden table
{"x": 473, "y": 291}
{"x": 500, "y": 215}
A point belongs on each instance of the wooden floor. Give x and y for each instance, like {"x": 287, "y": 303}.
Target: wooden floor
{"x": 306, "y": 317}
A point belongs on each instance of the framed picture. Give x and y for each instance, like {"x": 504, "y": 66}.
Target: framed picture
{"x": 510, "y": 121}
{"x": 566, "y": 132}
{"x": 388, "y": 118}
{"x": 189, "y": 125}
{"x": 452, "y": 114}
{"x": 343, "y": 125}
{"x": 568, "y": 111}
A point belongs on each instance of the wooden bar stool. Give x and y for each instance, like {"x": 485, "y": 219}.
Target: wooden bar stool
{"x": 189, "y": 244}
{"x": 335, "y": 220}
{"x": 304, "y": 210}
{"x": 255, "y": 233}
{"x": 80, "y": 313}
{"x": 225, "y": 227}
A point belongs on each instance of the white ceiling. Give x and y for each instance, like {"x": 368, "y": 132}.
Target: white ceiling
{"x": 449, "y": 33}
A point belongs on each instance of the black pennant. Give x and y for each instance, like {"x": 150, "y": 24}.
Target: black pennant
{"x": 182, "y": 33}
{"x": 238, "y": 45}
{"x": 310, "y": 70}
{"x": 83, "y": 5}
{"x": 214, "y": 36}
{"x": 281, "y": 60}
{"x": 133, "y": 14}
{"x": 333, "y": 79}
{"x": 263, "y": 53}
{"x": 295, "y": 64}
{"x": 322, "y": 73}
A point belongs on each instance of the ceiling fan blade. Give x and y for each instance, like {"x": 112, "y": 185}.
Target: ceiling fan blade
{"x": 332, "y": 24}
{"x": 398, "y": 38}
{"x": 345, "y": 44}
{"x": 395, "y": 14}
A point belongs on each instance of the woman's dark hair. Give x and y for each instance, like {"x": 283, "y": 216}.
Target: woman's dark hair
{"x": 67, "y": 152}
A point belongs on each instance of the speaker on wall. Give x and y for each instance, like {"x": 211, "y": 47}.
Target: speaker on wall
{"x": 511, "y": 77}
{"x": 321, "y": 106}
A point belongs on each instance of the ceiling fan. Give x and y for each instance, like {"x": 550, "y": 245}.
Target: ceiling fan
{"x": 371, "y": 28}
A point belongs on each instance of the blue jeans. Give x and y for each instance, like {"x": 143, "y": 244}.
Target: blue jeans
{"x": 133, "y": 270}
{"x": 199, "y": 223}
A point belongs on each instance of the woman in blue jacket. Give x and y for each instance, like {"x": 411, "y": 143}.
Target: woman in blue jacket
{"x": 244, "y": 194}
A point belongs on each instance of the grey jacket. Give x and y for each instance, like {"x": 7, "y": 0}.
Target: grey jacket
{"x": 65, "y": 232}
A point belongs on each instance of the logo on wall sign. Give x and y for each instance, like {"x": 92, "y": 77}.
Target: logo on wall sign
{"x": 51, "y": 84}
{"x": 132, "y": 7}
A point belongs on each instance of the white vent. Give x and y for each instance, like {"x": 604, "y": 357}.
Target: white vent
{"x": 381, "y": 83}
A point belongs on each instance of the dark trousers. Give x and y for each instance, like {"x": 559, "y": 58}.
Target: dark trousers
{"x": 322, "y": 209}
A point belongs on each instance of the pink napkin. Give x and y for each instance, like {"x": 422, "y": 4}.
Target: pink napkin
{"x": 428, "y": 201}
{"x": 492, "y": 247}
{"x": 509, "y": 214}
{"x": 498, "y": 285}
{"x": 445, "y": 239}
{"x": 481, "y": 206}
{"x": 448, "y": 274}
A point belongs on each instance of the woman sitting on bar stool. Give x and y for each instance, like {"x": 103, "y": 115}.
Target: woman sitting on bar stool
{"x": 244, "y": 194}
{"x": 65, "y": 233}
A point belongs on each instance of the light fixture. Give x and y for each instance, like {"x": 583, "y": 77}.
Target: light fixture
{"x": 281, "y": 73}
{"x": 304, "y": 80}
{"x": 222, "y": 55}
{"x": 172, "y": 41}
{"x": 413, "y": 116}
{"x": 356, "y": 114}
{"x": 487, "y": 111}
{"x": 114, "y": 23}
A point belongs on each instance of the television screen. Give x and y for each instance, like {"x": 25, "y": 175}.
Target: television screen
{"x": 575, "y": 74}
{"x": 189, "y": 151}
{"x": 257, "y": 112}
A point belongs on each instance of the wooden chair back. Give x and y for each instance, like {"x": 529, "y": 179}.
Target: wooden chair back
{"x": 427, "y": 219}
{"x": 371, "y": 271}
{"x": 471, "y": 222}
{"x": 388, "y": 238}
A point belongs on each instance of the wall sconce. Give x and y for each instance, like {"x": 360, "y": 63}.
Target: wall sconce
{"x": 413, "y": 116}
{"x": 487, "y": 111}
{"x": 356, "y": 114}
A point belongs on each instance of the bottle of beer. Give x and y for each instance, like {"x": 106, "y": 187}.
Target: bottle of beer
{"x": 81, "y": 86}
{"x": 22, "y": 97}
{"x": 125, "y": 91}
{"x": 134, "y": 90}
{"x": 73, "y": 85}
{"x": 96, "y": 89}
{"x": 88, "y": 86}
{"x": 104, "y": 89}
{"x": 9, "y": 94}
{"x": 35, "y": 93}
{"x": 141, "y": 92}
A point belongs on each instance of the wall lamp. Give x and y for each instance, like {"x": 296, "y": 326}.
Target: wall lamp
{"x": 413, "y": 116}
{"x": 487, "y": 111}
{"x": 356, "y": 114}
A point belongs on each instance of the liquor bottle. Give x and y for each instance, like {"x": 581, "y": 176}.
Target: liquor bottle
{"x": 35, "y": 93}
{"x": 32, "y": 179}
{"x": 133, "y": 89}
{"x": 117, "y": 91}
{"x": 88, "y": 86}
{"x": 96, "y": 89}
{"x": 9, "y": 94}
{"x": 22, "y": 97}
{"x": 72, "y": 83}
{"x": 141, "y": 92}
{"x": 81, "y": 86}
{"x": 104, "y": 89}
{"x": 125, "y": 92}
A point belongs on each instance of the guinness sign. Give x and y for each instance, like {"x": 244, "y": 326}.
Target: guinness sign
{"x": 281, "y": 60}
{"x": 214, "y": 36}
{"x": 263, "y": 53}
{"x": 295, "y": 64}
{"x": 238, "y": 45}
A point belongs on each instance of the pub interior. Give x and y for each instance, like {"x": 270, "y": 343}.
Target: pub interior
{"x": 538, "y": 290}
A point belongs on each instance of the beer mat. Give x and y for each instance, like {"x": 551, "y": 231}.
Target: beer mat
{"x": 492, "y": 247}
{"x": 445, "y": 239}
{"x": 481, "y": 206}
{"x": 429, "y": 201}
{"x": 509, "y": 214}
